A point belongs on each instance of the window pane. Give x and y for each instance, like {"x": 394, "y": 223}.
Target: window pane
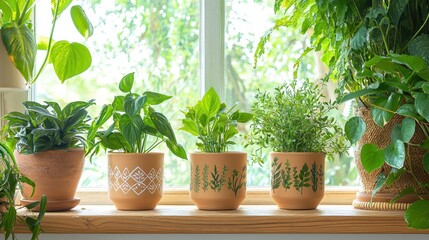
{"x": 158, "y": 40}
{"x": 243, "y": 30}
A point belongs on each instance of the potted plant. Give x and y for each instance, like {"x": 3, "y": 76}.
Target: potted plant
{"x": 18, "y": 44}
{"x": 218, "y": 177}
{"x": 49, "y": 143}
{"x": 296, "y": 125}
{"x": 10, "y": 179}
{"x": 377, "y": 51}
{"x": 135, "y": 171}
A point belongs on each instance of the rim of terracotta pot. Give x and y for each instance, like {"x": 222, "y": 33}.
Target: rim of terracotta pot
{"x": 130, "y": 154}
{"x": 300, "y": 153}
{"x": 54, "y": 150}
{"x": 213, "y": 153}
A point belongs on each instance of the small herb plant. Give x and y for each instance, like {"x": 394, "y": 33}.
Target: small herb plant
{"x": 213, "y": 123}
{"x": 295, "y": 120}
{"x": 47, "y": 126}
{"x": 136, "y": 127}
{"x": 10, "y": 179}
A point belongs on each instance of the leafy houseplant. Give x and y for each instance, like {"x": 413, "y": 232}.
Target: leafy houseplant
{"x": 19, "y": 40}
{"x": 47, "y": 136}
{"x": 295, "y": 124}
{"x": 136, "y": 130}
{"x": 10, "y": 179}
{"x": 377, "y": 51}
{"x": 218, "y": 178}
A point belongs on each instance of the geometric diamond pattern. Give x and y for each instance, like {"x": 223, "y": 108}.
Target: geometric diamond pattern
{"x": 135, "y": 181}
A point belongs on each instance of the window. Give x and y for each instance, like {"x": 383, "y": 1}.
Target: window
{"x": 159, "y": 40}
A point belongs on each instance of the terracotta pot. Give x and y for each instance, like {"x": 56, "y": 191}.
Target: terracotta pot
{"x": 297, "y": 179}
{"x": 135, "y": 180}
{"x": 218, "y": 180}
{"x": 381, "y": 136}
{"x": 10, "y": 78}
{"x": 56, "y": 174}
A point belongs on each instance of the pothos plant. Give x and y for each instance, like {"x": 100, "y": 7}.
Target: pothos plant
{"x": 17, "y": 33}
{"x": 137, "y": 127}
{"x": 10, "y": 180}
{"x": 295, "y": 119}
{"x": 47, "y": 126}
{"x": 213, "y": 123}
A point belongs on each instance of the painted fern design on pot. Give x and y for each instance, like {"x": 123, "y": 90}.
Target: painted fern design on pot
{"x": 286, "y": 177}
{"x": 197, "y": 180}
{"x": 218, "y": 180}
{"x": 321, "y": 175}
{"x": 205, "y": 177}
{"x": 275, "y": 174}
{"x": 314, "y": 177}
{"x": 234, "y": 183}
{"x": 191, "y": 184}
{"x": 302, "y": 179}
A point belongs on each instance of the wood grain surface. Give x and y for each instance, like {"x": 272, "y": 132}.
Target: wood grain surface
{"x": 247, "y": 219}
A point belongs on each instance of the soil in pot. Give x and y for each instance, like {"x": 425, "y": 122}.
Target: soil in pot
{"x": 135, "y": 180}
{"x": 297, "y": 179}
{"x": 218, "y": 180}
{"x": 56, "y": 174}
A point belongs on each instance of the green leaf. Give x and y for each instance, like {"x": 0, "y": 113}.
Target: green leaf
{"x": 244, "y": 117}
{"x": 359, "y": 39}
{"x": 189, "y": 126}
{"x": 425, "y": 88}
{"x": 379, "y": 183}
{"x": 21, "y": 47}
{"x": 402, "y": 193}
{"x": 394, "y": 175}
{"x": 414, "y": 63}
{"x": 392, "y": 104}
{"x": 424, "y": 74}
{"x": 408, "y": 110}
{"x": 417, "y": 215}
{"x": 211, "y": 103}
{"x": 421, "y": 103}
{"x": 118, "y": 103}
{"x": 394, "y": 154}
{"x": 132, "y": 105}
{"x": 176, "y": 149}
{"x": 154, "y": 98}
{"x": 407, "y": 129}
{"x": 81, "y": 21}
{"x": 355, "y": 127}
{"x": 162, "y": 125}
{"x": 360, "y": 93}
{"x": 426, "y": 162}
{"x": 70, "y": 59}
{"x": 115, "y": 141}
{"x": 126, "y": 83}
{"x": 396, "y": 9}
{"x": 131, "y": 128}
{"x": 62, "y": 5}
{"x": 419, "y": 46}
{"x": 377, "y": 114}
{"x": 372, "y": 157}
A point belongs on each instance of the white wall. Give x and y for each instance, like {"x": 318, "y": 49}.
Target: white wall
{"x": 228, "y": 236}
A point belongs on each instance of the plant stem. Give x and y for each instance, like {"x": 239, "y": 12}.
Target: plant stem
{"x": 48, "y": 51}
{"x": 418, "y": 31}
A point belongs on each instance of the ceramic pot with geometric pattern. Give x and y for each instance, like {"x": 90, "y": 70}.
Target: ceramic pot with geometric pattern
{"x": 135, "y": 179}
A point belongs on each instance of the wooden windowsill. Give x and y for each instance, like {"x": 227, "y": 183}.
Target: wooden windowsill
{"x": 247, "y": 219}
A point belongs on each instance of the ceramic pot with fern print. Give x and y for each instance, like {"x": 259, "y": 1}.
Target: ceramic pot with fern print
{"x": 297, "y": 179}
{"x": 218, "y": 180}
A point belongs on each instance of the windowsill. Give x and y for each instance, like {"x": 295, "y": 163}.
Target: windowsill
{"x": 247, "y": 219}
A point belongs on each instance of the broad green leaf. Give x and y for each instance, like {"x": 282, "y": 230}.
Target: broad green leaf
{"x": 189, "y": 126}
{"x": 424, "y": 74}
{"x": 231, "y": 132}
{"x": 115, "y": 141}
{"x": 211, "y": 103}
{"x": 21, "y": 47}
{"x": 377, "y": 114}
{"x": 417, "y": 215}
{"x": 392, "y": 104}
{"x": 105, "y": 113}
{"x": 61, "y": 4}
{"x": 415, "y": 63}
{"x": 358, "y": 41}
{"x": 396, "y": 8}
{"x": 426, "y": 162}
{"x": 402, "y": 193}
{"x": 244, "y": 117}
{"x": 419, "y": 46}
{"x": 70, "y": 59}
{"x": 408, "y": 128}
{"x": 373, "y": 61}
{"x": 379, "y": 183}
{"x": 162, "y": 125}
{"x": 372, "y": 157}
{"x": 421, "y": 104}
{"x": 131, "y": 128}
{"x": 408, "y": 110}
{"x": 355, "y": 127}
{"x": 358, "y": 94}
{"x": 132, "y": 105}
{"x": 394, "y": 175}
{"x": 154, "y": 98}
{"x": 396, "y": 133}
{"x": 6, "y": 12}
{"x": 394, "y": 154}
{"x": 126, "y": 83}
{"x": 43, "y": 42}
{"x": 425, "y": 88}
{"x": 81, "y": 21}
{"x": 118, "y": 103}
{"x": 176, "y": 149}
